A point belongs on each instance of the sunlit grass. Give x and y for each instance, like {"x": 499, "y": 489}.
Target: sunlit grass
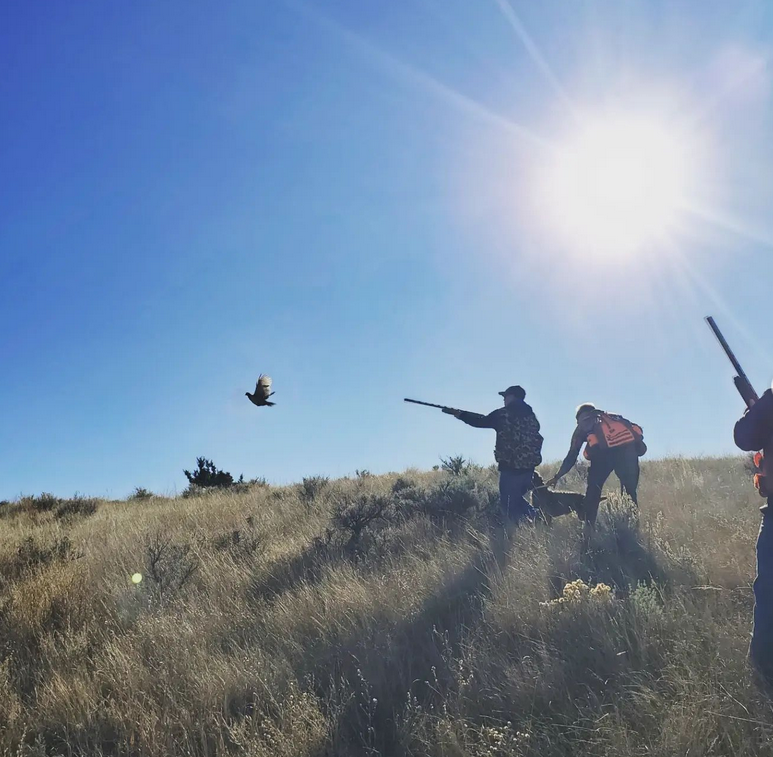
{"x": 263, "y": 630}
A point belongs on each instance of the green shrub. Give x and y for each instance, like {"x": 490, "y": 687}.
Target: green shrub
{"x": 460, "y": 496}
{"x": 77, "y": 505}
{"x": 355, "y": 517}
{"x": 141, "y": 493}
{"x": 456, "y": 465}
{"x": 207, "y": 476}
{"x": 402, "y": 484}
{"x": 41, "y": 504}
{"x": 312, "y": 486}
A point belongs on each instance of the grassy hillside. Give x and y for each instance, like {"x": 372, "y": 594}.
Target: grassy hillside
{"x": 279, "y": 621}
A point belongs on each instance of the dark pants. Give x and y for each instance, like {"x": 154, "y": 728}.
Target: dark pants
{"x": 513, "y": 485}
{"x": 624, "y": 462}
{"x": 761, "y": 648}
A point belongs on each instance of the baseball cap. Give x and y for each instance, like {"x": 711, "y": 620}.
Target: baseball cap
{"x": 518, "y": 391}
{"x": 586, "y": 407}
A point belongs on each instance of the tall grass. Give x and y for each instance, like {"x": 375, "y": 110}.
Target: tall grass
{"x": 384, "y": 615}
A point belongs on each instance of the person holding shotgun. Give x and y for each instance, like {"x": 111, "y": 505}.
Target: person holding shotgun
{"x": 518, "y": 449}
{"x": 754, "y": 432}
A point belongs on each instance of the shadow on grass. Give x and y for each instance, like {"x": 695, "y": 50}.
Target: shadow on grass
{"x": 366, "y": 677}
{"x": 411, "y": 659}
{"x": 307, "y": 566}
{"x": 616, "y": 552}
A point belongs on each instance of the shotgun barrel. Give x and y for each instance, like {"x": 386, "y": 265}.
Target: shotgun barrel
{"x": 429, "y": 404}
{"x": 742, "y": 383}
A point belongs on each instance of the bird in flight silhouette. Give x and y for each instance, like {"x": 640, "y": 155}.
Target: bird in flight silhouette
{"x": 262, "y": 392}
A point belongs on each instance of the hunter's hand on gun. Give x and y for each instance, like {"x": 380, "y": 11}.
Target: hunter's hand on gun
{"x": 452, "y": 411}
{"x": 746, "y": 391}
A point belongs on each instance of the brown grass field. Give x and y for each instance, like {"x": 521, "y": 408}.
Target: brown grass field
{"x": 280, "y": 622}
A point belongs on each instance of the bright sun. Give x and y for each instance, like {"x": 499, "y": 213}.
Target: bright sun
{"x": 614, "y": 187}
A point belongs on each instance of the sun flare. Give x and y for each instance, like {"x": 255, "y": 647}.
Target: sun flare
{"x": 615, "y": 186}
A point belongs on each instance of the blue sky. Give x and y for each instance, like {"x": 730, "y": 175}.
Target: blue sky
{"x": 338, "y": 194}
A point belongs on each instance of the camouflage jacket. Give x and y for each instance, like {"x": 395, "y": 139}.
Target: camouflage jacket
{"x": 519, "y": 442}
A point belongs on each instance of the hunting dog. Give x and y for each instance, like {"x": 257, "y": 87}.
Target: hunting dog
{"x": 552, "y": 504}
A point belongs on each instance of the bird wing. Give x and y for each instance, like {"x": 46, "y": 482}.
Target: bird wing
{"x": 263, "y": 387}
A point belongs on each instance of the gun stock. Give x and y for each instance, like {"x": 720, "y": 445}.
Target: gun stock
{"x": 742, "y": 383}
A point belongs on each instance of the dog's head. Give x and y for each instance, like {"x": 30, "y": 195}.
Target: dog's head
{"x": 544, "y": 499}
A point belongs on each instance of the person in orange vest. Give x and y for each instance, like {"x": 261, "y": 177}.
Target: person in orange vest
{"x": 612, "y": 443}
{"x": 754, "y": 431}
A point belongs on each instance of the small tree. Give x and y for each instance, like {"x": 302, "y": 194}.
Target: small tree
{"x": 455, "y": 465}
{"x": 208, "y": 476}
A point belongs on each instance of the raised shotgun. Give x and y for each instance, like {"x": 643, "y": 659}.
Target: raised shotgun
{"x": 742, "y": 383}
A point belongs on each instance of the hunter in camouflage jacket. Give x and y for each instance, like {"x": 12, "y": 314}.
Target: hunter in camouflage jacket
{"x": 519, "y": 443}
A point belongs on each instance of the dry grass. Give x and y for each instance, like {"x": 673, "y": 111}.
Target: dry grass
{"x": 264, "y": 627}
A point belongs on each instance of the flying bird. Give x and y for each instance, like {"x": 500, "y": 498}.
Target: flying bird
{"x": 262, "y": 392}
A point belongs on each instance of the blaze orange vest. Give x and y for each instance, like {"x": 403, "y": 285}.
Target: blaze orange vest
{"x": 611, "y": 431}
{"x": 760, "y": 477}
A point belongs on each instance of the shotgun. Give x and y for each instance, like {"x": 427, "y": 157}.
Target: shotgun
{"x": 742, "y": 383}
{"x": 432, "y": 404}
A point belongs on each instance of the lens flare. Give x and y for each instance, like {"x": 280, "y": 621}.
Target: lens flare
{"x": 616, "y": 185}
